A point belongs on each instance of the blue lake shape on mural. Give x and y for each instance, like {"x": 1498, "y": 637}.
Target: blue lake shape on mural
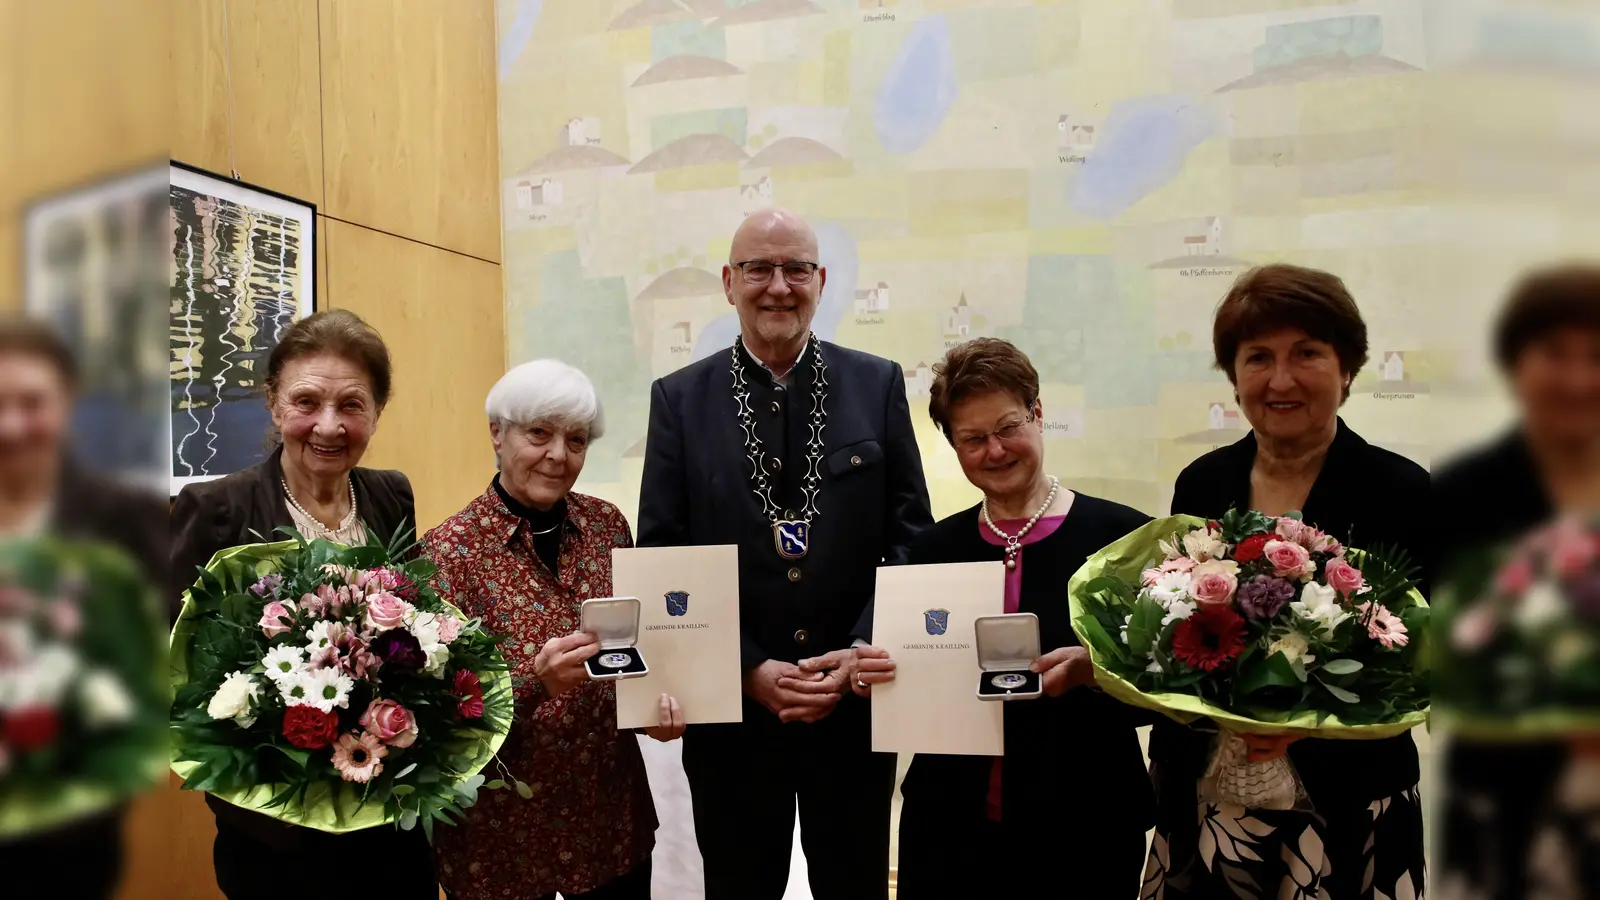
{"x": 919, "y": 88}
{"x": 1143, "y": 146}
{"x": 516, "y": 39}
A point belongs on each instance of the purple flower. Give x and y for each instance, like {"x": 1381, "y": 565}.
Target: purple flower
{"x": 1263, "y": 596}
{"x": 268, "y": 584}
{"x": 399, "y": 650}
{"x": 1584, "y": 594}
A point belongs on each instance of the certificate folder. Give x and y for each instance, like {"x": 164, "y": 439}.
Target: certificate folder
{"x": 688, "y": 630}
{"x": 923, "y": 615}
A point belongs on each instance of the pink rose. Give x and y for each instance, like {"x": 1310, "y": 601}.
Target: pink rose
{"x": 65, "y": 618}
{"x": 1343, "y": 577}
{"x": 449, "y": 628}
{"x": 390, "y": 723}
{"x": 1515, "y": 578}
{"x": 1289, "y": 560}
{"x": 1213, "y": 587}
{"x": 376, "y": 580}
{"x": 271, "y": 615}
{"x": 386, "y": 611}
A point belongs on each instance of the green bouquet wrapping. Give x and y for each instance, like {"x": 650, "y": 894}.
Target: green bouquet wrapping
{"x": 331, "y": 687}
{"x": 1266, "y": 626}
{"x": 82, "y": 693}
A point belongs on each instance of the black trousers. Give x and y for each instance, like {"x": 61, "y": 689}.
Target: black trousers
{"x": 632, "y": 885}
{"x": 255, "y": 860}
{"x": 82, "y": 861}
{"x": 746, "y": 779}
{"x": 948, "y": 855}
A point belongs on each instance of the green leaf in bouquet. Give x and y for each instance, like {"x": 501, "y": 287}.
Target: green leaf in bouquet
{"x": 1261, "y": 673}
{"x": 408, "y": 820}
{"x": 1343, "y": 667}
{"x": 1090, "y": 631}
{"x": 495, "y": 785}
{"x": 421, "y": 569}
{"x": 401, "y": 790}
{"x": 1144, "y": 630}
{"x": 1339, "y": 693}
{"x": 524, "y": 791}
{"x": 406, "y": 771}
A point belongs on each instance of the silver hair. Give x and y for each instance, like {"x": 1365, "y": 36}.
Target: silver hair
{"x": 546, "y": 390}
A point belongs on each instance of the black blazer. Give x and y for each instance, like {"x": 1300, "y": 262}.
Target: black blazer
{"x": 1365, "y": 495}
{"x": 697, "y": 491}
{"x": 1077, "y": 751}
{"x": 247, "y": 507}
{"x": 94, "y": 507}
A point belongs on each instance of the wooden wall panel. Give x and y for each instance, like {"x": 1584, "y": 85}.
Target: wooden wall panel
{"x": 92, "y": 94}
{"x": 277, "y": 104}
{"x": 408, "y": 97}
{"x": 167, "y": 838}
{"x": 442, "y": 316}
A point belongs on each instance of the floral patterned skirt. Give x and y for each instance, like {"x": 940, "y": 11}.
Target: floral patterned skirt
{"x": 1375, "y": 853}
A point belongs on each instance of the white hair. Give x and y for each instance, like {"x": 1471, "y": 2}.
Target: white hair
{"x": 546, "y": 390}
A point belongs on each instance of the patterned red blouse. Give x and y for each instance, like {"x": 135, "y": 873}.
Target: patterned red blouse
{"x": 591, "y": 818}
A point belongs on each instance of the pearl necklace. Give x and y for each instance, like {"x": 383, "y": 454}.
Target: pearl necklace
{"x": 1014, "y": 541}
{"x": 331, "y": 533}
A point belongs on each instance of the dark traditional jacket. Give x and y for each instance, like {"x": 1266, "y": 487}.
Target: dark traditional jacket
{"x": 1364, "y": 496}
{"x": 1077, "y": 751}
{"x": 697, "y": 490}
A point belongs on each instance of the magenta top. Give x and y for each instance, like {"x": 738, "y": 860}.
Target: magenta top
{"x": 1013, "y": 599}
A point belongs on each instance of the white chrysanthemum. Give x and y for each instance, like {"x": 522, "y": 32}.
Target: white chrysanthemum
{"x": 1319, "y": 605}
{"x": 327, "y": 688}
{"x": 1541, "y": 607}
{"x": 42, "y": 680}
{"x": 234, "y": 699}
{"x": 295, "y": 690}
{"x": 1177, "y": 611}
{"x": 105, "y": 701}
{"x": 317, "y": 637}
{"x": 284, "y": 661}
{"x": 1170, "y": 586}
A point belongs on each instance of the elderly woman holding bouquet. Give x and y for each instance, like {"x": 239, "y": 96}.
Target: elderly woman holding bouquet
{"x": 328, "y": 381}
{"x": 1291, "y": 340}
{"x": 524, "y": 556}
{"x": 1070, "y": 802}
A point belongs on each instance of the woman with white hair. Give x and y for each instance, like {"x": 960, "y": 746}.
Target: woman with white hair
{"x": 524, "y": 556}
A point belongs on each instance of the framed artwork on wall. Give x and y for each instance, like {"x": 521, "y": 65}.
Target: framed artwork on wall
{"x": 243, "y": 269}
{"x": 93, "y": 266}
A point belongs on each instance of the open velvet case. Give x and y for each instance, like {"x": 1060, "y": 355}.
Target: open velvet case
{"x": 1007, "y": 646}
{"x": 615, "y": 621}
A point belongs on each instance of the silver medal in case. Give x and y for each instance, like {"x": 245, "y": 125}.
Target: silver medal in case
{"x": 1009, "y": 681}
{"x": 614, "y": 660}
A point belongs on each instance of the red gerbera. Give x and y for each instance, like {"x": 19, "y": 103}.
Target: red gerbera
{"x": 1209, "y": 639}
{"x": 1252, "y": 548}
{"x": 469, "y": 696}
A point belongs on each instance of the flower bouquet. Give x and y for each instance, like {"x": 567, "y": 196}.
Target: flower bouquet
{"x": 1519, "y": 637}
{"x": 331, "y": 687}
{"x": 1264, "y": 625}
{"x": 82, "y": 691}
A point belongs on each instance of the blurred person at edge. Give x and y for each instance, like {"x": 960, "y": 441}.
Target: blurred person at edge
{"x": 1515, "y": 821}
{"x": 43, "y": 491}
{"x": 328, "y": 382}
{"x": 1292, "y": 340}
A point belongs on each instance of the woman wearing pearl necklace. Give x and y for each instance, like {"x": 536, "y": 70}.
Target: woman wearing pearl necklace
{"x": 1070, "y": 801}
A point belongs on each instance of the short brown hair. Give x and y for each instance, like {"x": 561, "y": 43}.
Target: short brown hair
{"x": 1279, "y": 296}
{"x": 27, "y": 336}
{"x": 1547, "y": 300}
{"x": 337, "y": 331}
{"x": 980, "y": 366}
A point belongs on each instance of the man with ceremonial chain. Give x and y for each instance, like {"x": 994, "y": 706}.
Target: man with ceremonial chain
{"x": 801, "y": 452}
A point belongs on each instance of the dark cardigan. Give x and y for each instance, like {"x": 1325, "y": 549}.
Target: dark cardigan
{"x": 247, "y": 507}
{"x": 1079, "y": 751}
{"x": 1365, "y": 495}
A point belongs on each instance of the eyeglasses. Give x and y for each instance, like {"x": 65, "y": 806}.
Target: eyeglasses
{"x": 759, "y": 271}
{"x": 978, "y": 443}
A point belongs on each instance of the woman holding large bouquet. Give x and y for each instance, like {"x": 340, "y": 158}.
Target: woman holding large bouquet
{"x": 327, "y": 382}
{"x": 1070, "y": 802}
{"x": 1291, "y": 340}
{"x": 524, "y": 556}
